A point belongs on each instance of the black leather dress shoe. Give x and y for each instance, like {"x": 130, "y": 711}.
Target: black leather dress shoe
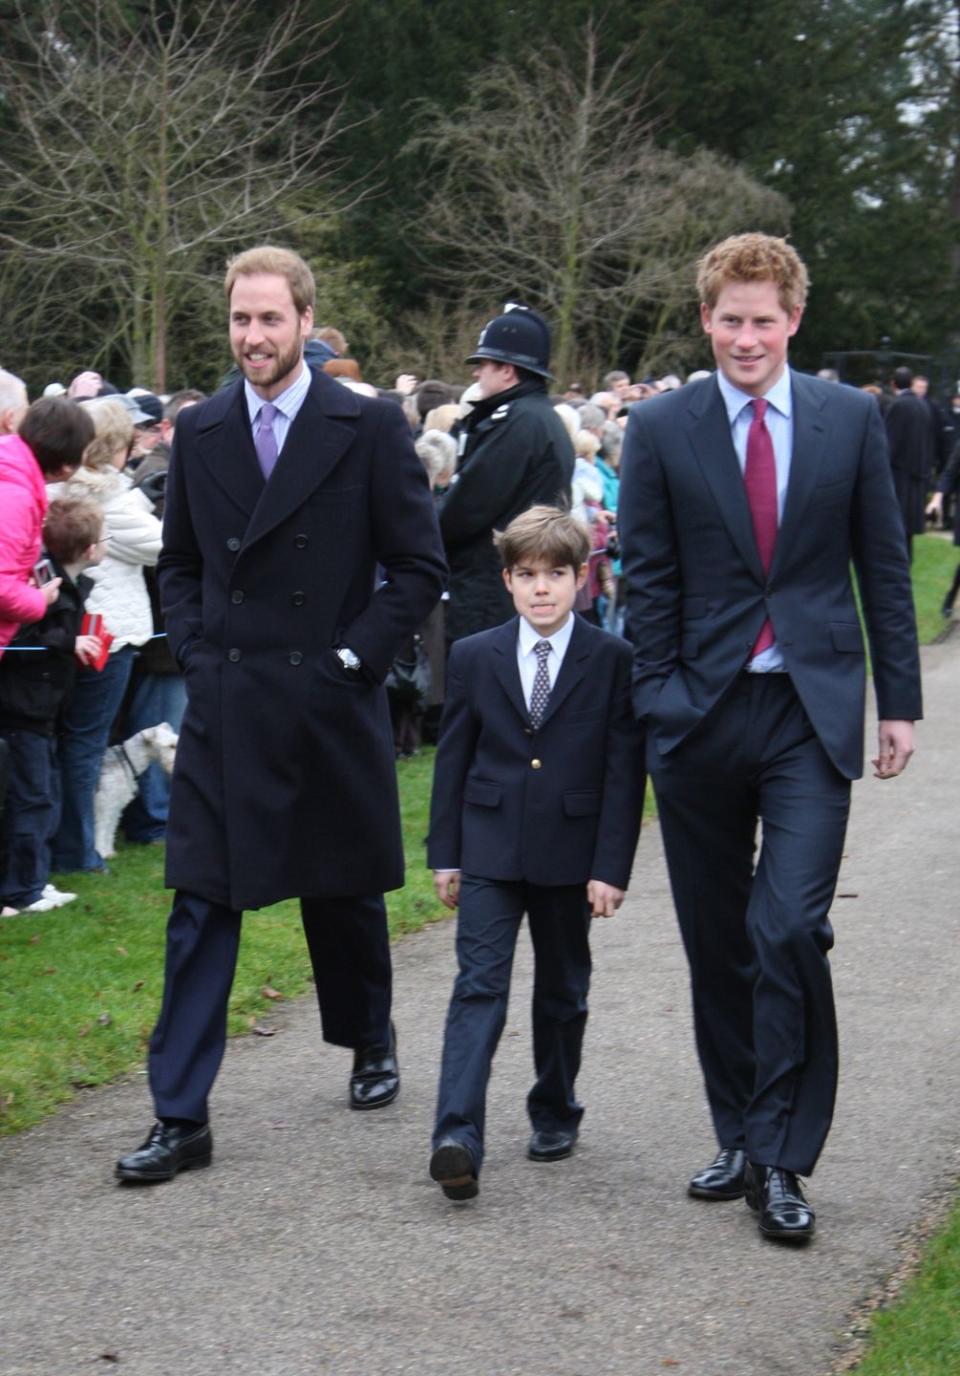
{"x": 551, "y": 1146}
{"x": 451, "y": 1166}
{"x": 723, "y": 1178}
{"x": 168, "y": 1149}
{"x": 375, "y": 1080}
{"x": 777, "y": 1199}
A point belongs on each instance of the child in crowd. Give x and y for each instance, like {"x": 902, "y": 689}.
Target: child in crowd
{"x": 36, "y": 675}
{"x": 537, "y": 797}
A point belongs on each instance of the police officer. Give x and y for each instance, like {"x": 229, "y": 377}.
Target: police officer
{"x": 515, "y": 453}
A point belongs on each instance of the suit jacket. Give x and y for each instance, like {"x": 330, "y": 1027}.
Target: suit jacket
{"x": 557, "y": 805}
{"x": 697, "y": 591}
{"x": 285, "y": 779}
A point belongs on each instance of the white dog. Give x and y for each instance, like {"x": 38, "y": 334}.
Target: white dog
{"x": 122, "y": 766}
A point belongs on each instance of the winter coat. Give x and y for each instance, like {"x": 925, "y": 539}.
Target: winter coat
{"x": 133, "y": 541}
{"x": 23, "y": 505}
{"x": 34, "y": 683}
{"x": 518, "y": 454}
{"x": 285, "y": 780}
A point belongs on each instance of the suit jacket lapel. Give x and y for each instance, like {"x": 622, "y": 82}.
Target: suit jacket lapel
{"x": 324, "y": 428}
{"x": 505, "y": 665}
{"x": 809, "y": 449}
{"x": 709, "y": 430}
{"x": 572, "y": 669}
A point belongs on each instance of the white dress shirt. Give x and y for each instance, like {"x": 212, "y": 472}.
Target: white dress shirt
{"x": 527, "y": 637}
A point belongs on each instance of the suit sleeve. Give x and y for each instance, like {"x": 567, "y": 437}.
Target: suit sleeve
{"x": 459, "y": 730}
{"x": 408, "y": 547}
{"x": 883, "y": 574}
{"x": 950, "y": 477}
{"x": 624, "y": 784}
{"x": 651, "y": 563}
{"x": 180, "y": 565}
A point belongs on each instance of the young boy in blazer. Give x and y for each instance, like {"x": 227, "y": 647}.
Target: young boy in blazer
{"x": 537, "y": 796}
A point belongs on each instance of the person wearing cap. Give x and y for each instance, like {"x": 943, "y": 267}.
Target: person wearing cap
{"x": 515, "y": 453}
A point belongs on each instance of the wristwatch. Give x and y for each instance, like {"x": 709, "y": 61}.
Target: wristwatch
{"x": 348, "y": 659}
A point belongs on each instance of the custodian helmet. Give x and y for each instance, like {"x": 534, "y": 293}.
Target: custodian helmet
{"x": 519, "y": 336}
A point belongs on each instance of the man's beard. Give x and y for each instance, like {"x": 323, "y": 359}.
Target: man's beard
{"x": 282, "y": 366}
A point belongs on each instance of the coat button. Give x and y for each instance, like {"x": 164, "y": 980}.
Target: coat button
{"x": 233, "y": 656}
{"x": 233, "y": 544}
{"x": 535, "y": 764}
{"x": 300, "y": 541}
{"x": 296, "y": 657}
{"x": 298, "y": 599}
{"x": 236, "y": 597}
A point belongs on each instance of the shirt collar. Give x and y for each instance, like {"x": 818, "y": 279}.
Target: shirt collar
{"x": 287, "y": 402}
{"x": 559, "y": 641}
{"x": 780, "y": 395}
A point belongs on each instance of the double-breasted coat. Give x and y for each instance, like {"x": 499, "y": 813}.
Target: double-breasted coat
{"x": 285, "y": 780}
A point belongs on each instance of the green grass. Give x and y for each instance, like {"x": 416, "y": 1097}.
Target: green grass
{"x": 934, "y": 560}
{"x": 80, "y": 987}
{"x": 920, "y": 1335}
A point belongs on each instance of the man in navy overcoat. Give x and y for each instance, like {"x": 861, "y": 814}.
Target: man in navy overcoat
{"x": 746, "y": 498}
{"x": 300, "y": 550}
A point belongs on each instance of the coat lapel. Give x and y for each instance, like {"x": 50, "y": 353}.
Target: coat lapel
{"x": 505, "y": 665}
{"x": 572, "y": 669}
{"x": 809, "y": 448}
{"x": 324, "y": 429}
{"x": 709, "y": 429}
{"x": 226, "y": 445}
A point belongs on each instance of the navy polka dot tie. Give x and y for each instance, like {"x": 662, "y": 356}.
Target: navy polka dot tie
{"x": 541, "y": 682}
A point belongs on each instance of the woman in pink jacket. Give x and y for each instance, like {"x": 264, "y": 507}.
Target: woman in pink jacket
{"x": 48, "y": 448}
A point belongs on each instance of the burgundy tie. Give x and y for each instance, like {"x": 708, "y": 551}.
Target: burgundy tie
{"x": 760, "y": 477}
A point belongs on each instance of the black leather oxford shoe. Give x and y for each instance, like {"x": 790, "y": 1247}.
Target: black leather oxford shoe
{"x": 452, "y": 1167}
{"x": 375, "y": 1080}
{"x": 723, "y": 1178}
{"x": 777, "y": 1199}
{"x": 168, "y": 1149}
{"x": 551, "y": 1146}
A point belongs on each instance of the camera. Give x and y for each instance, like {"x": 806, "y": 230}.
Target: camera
{"x": 43, "y": 572}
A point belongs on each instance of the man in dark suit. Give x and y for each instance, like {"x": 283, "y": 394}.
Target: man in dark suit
{"x": 912, "y": 436}
{"x": 537, "y": 795}
{"x": 745, "y": 498}
{"x": 300, "y": 550}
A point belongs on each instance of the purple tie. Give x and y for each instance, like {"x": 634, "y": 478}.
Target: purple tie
{"x": 266, "y": 441}
{"x": 760, "y": 477}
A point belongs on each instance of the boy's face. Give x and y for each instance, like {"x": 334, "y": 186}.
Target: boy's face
{"x": 544, "y": 593}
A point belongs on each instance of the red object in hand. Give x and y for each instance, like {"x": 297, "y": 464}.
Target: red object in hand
{"x": 92, "y": 624}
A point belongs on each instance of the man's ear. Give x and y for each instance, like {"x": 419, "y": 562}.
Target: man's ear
{"x": 581, "y": 576}
{"x": 507, "y": 580}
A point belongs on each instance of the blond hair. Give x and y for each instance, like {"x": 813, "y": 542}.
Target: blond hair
{"x": 544, "y": 534}
{"x": 585, "y": 444}
{"x": 754, "y": 258}
{"x": 282, "y": 263}
{"x": 113, "y": 430}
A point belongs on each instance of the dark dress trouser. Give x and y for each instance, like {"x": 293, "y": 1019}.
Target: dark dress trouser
{"x": 350, "y": 953}
{"x": 757, "y": 943}
{"x": 488, "y": 923}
